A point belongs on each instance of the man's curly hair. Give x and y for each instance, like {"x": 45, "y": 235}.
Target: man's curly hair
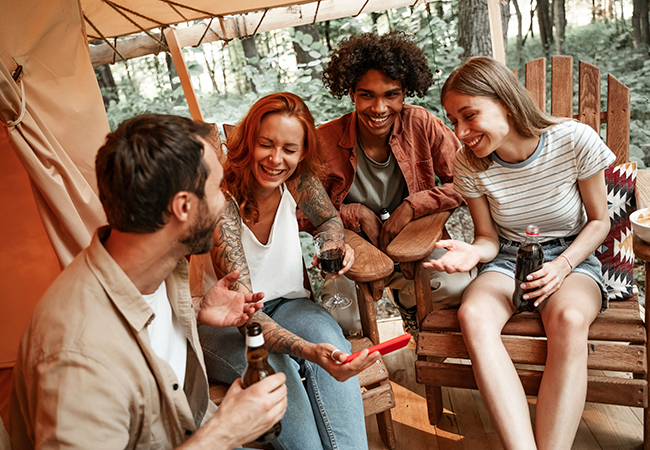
{"x": 394, "y": 54}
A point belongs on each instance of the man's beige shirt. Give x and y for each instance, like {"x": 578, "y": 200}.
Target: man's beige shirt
{"x": 86, "y": 376}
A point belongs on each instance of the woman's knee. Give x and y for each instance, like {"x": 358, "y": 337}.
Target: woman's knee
{"x": 567, "y": 323}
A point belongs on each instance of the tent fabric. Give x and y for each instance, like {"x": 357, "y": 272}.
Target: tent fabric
{"x": 124, "y": 17}
{"x": 54, "y": 115}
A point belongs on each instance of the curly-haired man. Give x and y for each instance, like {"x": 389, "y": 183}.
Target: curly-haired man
{"x": 386, "y": 154}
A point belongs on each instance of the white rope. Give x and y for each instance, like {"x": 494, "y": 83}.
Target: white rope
{"x": 22, "y": 107}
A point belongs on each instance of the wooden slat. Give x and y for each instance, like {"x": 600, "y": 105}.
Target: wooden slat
{"x": 536, "y": 81}
{"x": 601, "y": 355}
{"x": 562, "y": 86}
{"x": 610, "y": 390}
{"x": 377, "y": 400}
{"x": 615, "y": 324}
{"x": 373, "y": 374}
{"x": 589, "y": 95}
{"x": 642, "y": 189}
{"x": 618, "y": 119}
{"x": 417, "y": 240}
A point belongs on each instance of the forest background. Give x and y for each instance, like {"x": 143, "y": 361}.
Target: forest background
{"x": 229, "y": 77}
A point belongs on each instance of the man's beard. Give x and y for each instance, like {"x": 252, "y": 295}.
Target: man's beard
{"x": 199, "y": 238}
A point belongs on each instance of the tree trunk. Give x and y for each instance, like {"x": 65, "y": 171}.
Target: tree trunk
{"x": 107, "y": 84}
{"x": 250, "y": 51}
{"x": 211, "y": 69}
{"x": 474, "y": 28}
{"x": 328, "y": 40}
{"x": 505, "y": 18}
{"x": 640, "y": 25}
{"x": 173, "y": 78}
{"x": 520, "y": 38}
{"x": 545, "y": 26}
{"x": 302, "y": 55}
{"x": 560, "y": 26}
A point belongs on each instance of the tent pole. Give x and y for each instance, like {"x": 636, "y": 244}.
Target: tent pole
{"x": 496, "y": 31}
{"x": 183, "y": 74}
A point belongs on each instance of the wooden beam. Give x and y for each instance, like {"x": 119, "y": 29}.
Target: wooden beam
{"x": 496, "y": 31}
{"x": 183, "y": 74}
{"x": 232, "y": 27}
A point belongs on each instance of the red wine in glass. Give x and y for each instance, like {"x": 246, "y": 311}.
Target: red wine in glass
{"x": 330, "y": 249}
{"x": 331, "y": 261}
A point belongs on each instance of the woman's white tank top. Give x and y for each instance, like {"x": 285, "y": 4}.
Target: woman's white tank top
{"x": 276, "y": 268}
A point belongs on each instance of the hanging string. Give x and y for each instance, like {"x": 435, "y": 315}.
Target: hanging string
{"x": 260, "y": 22}
{"x": 316, "y": 13}
{"x": 204, "y": 33}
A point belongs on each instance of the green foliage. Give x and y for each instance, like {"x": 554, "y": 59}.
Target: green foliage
{"x": 144, "y": 84}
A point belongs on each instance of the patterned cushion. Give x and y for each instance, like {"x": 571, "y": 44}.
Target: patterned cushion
{"x": 616, "y": 253}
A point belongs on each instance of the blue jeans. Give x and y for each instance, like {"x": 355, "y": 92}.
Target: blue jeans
{"x": 322, "y": 413}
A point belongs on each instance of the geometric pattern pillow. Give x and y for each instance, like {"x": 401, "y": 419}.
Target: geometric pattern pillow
{"x": 616, "y": 253}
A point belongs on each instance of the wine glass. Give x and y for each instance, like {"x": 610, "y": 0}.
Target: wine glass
{"x": 330, "y": 249}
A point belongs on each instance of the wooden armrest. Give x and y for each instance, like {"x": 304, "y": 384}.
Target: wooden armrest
{"x": 641, "y": 248}
{"x": 370, "y": 263}
{"x": 417, "y": 240}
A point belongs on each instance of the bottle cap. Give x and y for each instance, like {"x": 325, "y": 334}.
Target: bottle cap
{"x": 532, "y": 230}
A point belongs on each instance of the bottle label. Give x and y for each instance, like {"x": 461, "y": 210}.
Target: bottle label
{"x": 255, "y": 341}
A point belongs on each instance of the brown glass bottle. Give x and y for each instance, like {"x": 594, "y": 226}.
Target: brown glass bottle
{"x": 258, "y": 368}
{"x": 530, "y": 258}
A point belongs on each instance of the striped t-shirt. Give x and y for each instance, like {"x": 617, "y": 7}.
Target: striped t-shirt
{"x": 542, "y": 190}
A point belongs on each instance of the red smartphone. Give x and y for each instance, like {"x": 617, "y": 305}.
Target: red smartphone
{"x": 385, "y": 347}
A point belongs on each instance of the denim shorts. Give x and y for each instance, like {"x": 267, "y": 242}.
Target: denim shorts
{"x": 506, "y": 260}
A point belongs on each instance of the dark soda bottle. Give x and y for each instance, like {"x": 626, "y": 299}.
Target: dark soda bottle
{"x": 258, "y": 368}
{"x": 530, "y": 258}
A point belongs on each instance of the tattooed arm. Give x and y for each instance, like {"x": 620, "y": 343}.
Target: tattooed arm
{"x": 228, "y": 251}
{"x": 313, "y": 200}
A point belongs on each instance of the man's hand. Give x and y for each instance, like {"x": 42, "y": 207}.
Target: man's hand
{"x": 221, "y": 307}
{"x": 370, "y": 224}
{"x": 244, "y": 414}
{"x": 395, "y": 223}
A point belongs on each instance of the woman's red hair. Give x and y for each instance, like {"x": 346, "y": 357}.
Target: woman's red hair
{"x": 238, "y": 176}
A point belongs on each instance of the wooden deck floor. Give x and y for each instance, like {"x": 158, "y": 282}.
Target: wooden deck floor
{"x": 466, "y": 425}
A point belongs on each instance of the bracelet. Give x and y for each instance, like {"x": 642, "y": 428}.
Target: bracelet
{"x": 567, "y": 261}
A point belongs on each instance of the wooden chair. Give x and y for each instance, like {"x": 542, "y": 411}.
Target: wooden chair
{"x": 617, "y": 338}
{"x": 370, "y": 268}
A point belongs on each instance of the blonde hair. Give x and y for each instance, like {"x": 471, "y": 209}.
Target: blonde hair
{"x": 483, "y": 76}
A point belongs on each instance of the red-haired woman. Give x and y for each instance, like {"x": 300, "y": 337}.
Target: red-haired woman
{"x": 272, "y": 164}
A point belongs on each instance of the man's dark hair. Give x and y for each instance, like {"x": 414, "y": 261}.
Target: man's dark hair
{"x": 145, "y": 162}
{"x": 394, "y": 54}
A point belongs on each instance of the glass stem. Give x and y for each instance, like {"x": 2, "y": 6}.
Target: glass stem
{"x": 336, "y": 290}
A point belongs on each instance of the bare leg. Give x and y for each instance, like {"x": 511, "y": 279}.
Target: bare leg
{"x": 567, "y": 315}
{"x": 486, "y": 307}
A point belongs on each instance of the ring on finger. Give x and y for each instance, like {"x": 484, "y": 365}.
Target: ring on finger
{"x": 334, "y": 352}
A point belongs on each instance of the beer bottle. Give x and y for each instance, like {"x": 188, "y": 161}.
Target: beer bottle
{"x": 258, "y": 368}
{"x": 530, "y": 258}
{"x": 384, "y": 216}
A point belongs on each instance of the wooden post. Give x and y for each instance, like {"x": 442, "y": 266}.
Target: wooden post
{"x": 183, "y": 74}
{"x": 496, "y": 31}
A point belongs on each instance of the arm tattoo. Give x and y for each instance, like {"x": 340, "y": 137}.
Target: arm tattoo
{"x": 313, "y": 200}
{"x": 278, "y": 339}
{"x": 228, "y": 251}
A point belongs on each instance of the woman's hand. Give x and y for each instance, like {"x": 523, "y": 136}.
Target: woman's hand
{"x": 332, "y": 360}
{"x": 348, "y": 260}
{"x": 548, "y": 279}
{"x": 460, "y": 257}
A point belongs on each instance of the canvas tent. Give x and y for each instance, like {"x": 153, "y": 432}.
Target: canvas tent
{"x": 54, "y": 120}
